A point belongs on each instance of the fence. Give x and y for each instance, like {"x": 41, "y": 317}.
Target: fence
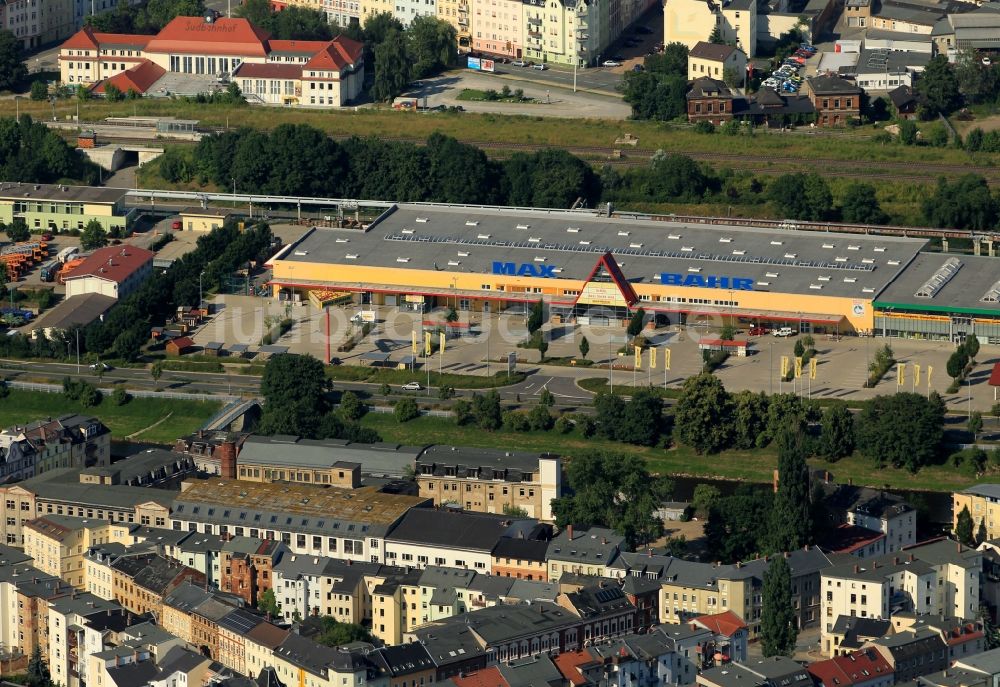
{"x": 138, "y": 393}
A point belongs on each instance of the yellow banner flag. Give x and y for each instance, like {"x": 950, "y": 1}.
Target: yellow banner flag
{"x": 916, "y": 374}
{"x": 441, "y": 343}
{"x": 652, "y": 358}
{"x": 900, "y": 374}
{"x": 812, "y": 368}
{"x": 930, "y": 371}
{"x": 427, "y": 343}
{"x": 784, "y": 366}
{"x": 413, "y": 341}
{"x": 666, "y": 358}
{"x": 798, "y": 367}
{"x": 638, "y": 358}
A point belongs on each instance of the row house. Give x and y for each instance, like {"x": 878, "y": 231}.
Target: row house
{"x": 70, "y": 441}
{"x": 248, "y": 567}
{"x": 310, "y": 585}
{"x": 867, "y": 668}
{"x": 142, "y": 581}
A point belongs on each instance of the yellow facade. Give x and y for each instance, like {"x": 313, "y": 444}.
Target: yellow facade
{"x": 847, "y": 313}
{"x": 60, "y": 550}
{"x": 984, "y": 509}
{"x": 202, "y": 221}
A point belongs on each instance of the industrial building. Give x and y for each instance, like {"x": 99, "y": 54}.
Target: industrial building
{"x": 594, "y": 269}
{"x": 61, "y": 208}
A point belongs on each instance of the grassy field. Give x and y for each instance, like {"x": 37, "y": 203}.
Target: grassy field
{"x": 478, "y": 95}
{"x": 374, "y": 375}
{"x": 751, "y": 466}
{"x": 848, "y": 145}
{"x": 182, "y": 416}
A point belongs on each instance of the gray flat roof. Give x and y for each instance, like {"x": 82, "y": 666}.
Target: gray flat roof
{"x": 470, "y": 239}
{"x": 374, "y": 459}
{"x": 964, "y": 291}
{"x": 74, "y": 311}
{"x": 882, "y": 60}
{"x": 79, "y": 194}
{"x": 375, "y": 356}
{"x": 441, "y": 454}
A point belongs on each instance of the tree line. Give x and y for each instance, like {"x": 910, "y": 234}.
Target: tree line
{"x": 902, "y": 430}
{"x": 31, "y": 153}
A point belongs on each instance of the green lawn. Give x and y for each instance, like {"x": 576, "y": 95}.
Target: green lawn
{"x": 749, "y": 466}
{"x": 379, "y": 375}
{"x": 477, "y": 95}
{"x": 185, "y": 416}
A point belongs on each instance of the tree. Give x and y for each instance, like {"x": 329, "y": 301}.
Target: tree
{"x": 799, "y": 349}
{"x": 431, "y": 45}
{"x": 536, "y": 317}
{"x": 975, "y": 424}
{"x": 749, "y": 419}
{"x": 584, "y": 348}
{"x": 38, "y": 670}
{"x": 956, "y": 363}
{"x": 965, "y": 203}
{"x": 635, "y": 323}
{"x": 93, "y": 236}
{"x": 778, "y": 625}
{"x": 545, "y": 398}
{"x": 451, "y": 315}
{"x": 981, "y": 533}
{"x": 598, "y": 485}
{"x": 939, "y": 86}
{"x": 901, "y": 430}
{"x": 798, "y": 196}
{"x": 487, "y": 411}
{"x": 673, "y": 61}
{"x": 736, "y": 529}
{"x": 128, "y": 344}
{"x": 392, "y": 67}
{"x": 294, "y": 389}
{"x": 352, "y": 408}
{"x": 514, "y": 511}
{"x": 405, "y": 410}
{"x": 17, "y": 230}
{"x": 326, "y": 630}
{"x": 462, "y": 411}
{"x": 113, "y": 94}
{"x": 543, "y": 348}
{"x": 267, "y": 603}
{"x": 39, "y": 91}
{"x": 12, "y": 69}
{"x": 120, "y": 396}
{"x": 703, "y": 414}
{"x": 860, "y": 206}
{"x": 156, "y": 371}
{"x": 540, "y": 419}
{"x": 643, "y": 418}
{"x": 836, "y": 439}
{"x": 907, "y": 132}
{"x": 791, "y": 517}
{"x": 377, "y": 27}
{"x": 704, "y": 498}
{"x": 655, "y": 96}
{"x": 963, "y": 527}
{"x": 971, "y": 346}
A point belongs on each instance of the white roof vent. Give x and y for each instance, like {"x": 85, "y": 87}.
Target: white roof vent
{"x": 351, "y": 256}
{"x": 851, "y": 246}
{"x": 867, "y": 289}
{"x": 463, "y": 253}
{"x": 635, "y": 245}
{"x": 694, "y": 269}
{"x": 409, "y": 231}
{"x": 534, "y": 239}
{"x": 823, "y": 278}
{"x": 850, "y": 280}
{"x": 624, "y": 233}
{"x": 343, "y": 240}
{"x": 584, "y": 243}
{"x": 421, "y": 220}
{"x": 454, "y": 263}
{"x": 471, "y": 223}
{"x": 840, "y": 259}
{"x": 687, "y": 249}
{"x": 868, "y": 261}
{"x": 484, "y": 237}
{"x": 402, "y": 259}
{"x": 540, "y": 258}
{"x": 523, "y": 226}
{"x": 777, "y": 243}
{"x": 725, "y": 239}
{"x": 828, "y": 245}
{"x": 763, "y": 283}
{"x": 298, "y": 252}
{"x": 790, "y": 256}
{"x": 737, "y": 251}
{"x": 894, "y": 262}
{"x": 879, "y": 249}
{"x": 816, "y": 287}
{"x": 673, "y": 237}
{"x": 573, "y": 230}
{"x": 772, "y": 275}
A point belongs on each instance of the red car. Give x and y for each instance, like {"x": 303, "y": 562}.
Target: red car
{"x": 47, "y": 236}
{"x": 759, "y": 331}
{"x": 176, "y": 226}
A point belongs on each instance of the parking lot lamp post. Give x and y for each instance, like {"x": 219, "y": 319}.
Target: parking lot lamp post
{"x": 770, "y": 365}
{"x": 201, "y": 298}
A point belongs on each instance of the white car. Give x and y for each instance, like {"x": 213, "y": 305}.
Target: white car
{"x": 100, "y": 367}
{"x": 611, "y": 63}
{"x": 412, "y": 386}
{"x": 540, "y": 67}
{"x": 784, "y": 331}
{"x": 518, "y": 63}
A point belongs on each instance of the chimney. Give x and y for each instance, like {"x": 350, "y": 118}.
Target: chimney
{"x": 569, "y": 532}
{"x": 604, "y": 542}
{"x": 959, "y": 546}
{"x": 787, "y": 554}
{"x": 856, "y": 568}
{"x": 226, "y": 453}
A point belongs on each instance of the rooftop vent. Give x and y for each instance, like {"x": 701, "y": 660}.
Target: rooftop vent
{"x": 402, "y": 259}
{"x": 409, "y": 231}
{"x": 572, "y": 230}
{"x": 725, "y": 239}
{"x": 421, "y": 220}
{"x": 484, "y": 237}
{"x": 828, "y": 245}
{"x": 471, "y": 223}
{"x": 673, "y": 237}
{"x": 523, "y": 226}
{"x": 993, "y": 295}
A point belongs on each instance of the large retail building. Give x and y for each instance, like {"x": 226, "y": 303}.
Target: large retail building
{"x": 595, "y": 269}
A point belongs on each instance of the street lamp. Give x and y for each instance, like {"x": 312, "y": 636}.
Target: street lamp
{"x": 200, "y": 297}
{"x": 17, "y": 108}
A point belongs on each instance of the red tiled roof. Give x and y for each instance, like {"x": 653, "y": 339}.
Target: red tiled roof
{"x": 139, "y": 78}
{"x": 849, "y": 669}
{"x": 181, "y": 342}
{"x": 338, "y": 54}
{"x": 847, "y": 538}
{"x": 268, "y": 71}
{"x": 114, "y": 263}
{"x": 87, "y": 39}
{"x": 223, "y": 36}
{"x": 303, "y": 47}
{"x": 570, "y": 662}
{"x": 726, "y": 624}
{"x": 487, "y": 677}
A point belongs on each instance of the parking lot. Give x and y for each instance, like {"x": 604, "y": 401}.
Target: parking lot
{"x": 787, "y": 79}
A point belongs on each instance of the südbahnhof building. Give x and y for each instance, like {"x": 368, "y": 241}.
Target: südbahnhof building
{"x": 594, "y": 269}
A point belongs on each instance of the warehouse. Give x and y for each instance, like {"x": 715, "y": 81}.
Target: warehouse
{"x": 61, "y": 208}
{"x": 943, "y": 297}
{"x": 592, "y": 269}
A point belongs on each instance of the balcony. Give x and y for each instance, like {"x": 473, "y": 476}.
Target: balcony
{"x": 463, "y": 21}
{"x": 534, "y": 21}
{"x": 583, "y": 37}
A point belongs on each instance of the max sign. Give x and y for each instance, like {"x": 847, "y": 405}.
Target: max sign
{"x": 525, "y": 269}
{"x": 709, "y": 281}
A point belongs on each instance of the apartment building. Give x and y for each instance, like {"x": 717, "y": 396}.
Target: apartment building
{"x": 691, "y": 589}
{"x": 497, "y": 26}
{"x": 59, "y": 544}
{"x": 983, "y": 502}
{"x": 873, "y": 510}
{"x": 233, "y": 629}
{"x": 458, "y": 13}
{"x": 912, "y": 653}
{"x": 314, "y": 585}
{"x": 177, "y": 608}
{"x": 962, "y": 637}
{"x": 583, "y": 551}
{"x": 259, "y": 646}
{"x": 425, "y": 536}
{"x": 303, "y": 662}
{"x": 247, "y": 567}
{"x": 866, "y": 668}
{"x": 959, "y": 569}
{"x": 313, "y": 520}
{"x": 490, "y": 481}
{"x": 523, "y": 558}
{"x": 776, "y": 670}
{"x": 141, "y": 582}
{"x": 62, "y": 491}
{"x": 850, "y": 633}
{"x": 76, "y": 625}
{"x": 70, "y": 441}
{"x": 28, "y": 594}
